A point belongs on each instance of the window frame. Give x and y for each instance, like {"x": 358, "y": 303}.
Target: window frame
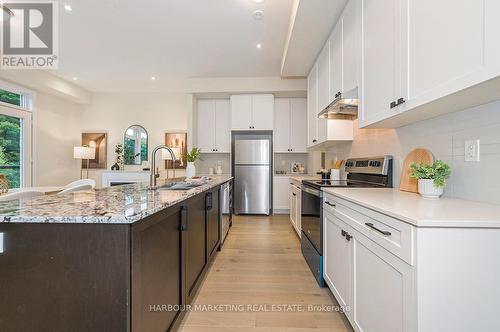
{"x": 27, "y": 114}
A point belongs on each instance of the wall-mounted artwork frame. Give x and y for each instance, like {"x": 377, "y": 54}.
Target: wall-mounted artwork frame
{"x": 99, "y": 141}
{"x": 178, "y": 142}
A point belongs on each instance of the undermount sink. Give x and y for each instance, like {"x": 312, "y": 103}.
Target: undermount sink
{"x": 179, "y": 186}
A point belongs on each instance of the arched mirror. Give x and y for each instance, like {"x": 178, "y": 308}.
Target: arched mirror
{"x": 135, "y": 145}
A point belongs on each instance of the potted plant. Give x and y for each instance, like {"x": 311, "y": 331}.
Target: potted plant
{"x": 120, "y": 162}
{"x": 431, "y": 178}
{"x": 191, "y": 157}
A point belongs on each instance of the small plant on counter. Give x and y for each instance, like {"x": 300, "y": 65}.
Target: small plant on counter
{"x": 193, "y": 156}
{"x": 431, "y": 178}
{"x": 438, "y": 172}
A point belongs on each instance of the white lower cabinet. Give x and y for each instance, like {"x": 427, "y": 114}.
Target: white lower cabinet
{"x": 375, "y": 287}
{"x": 280, "y": 194}
{"x": 382, "y": 286}
{"x": 337, "y": 262}
{"x": 295, "y": 196}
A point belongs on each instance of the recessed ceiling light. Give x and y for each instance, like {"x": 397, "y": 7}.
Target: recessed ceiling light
{"x": 153, "y": 78}
{"x": 258, "y": 45}
{"x": 258, "y": 14}
{"x": 75, "y": 78}
{"x": 258, "y": 1}
{"x": 68, "y": 8}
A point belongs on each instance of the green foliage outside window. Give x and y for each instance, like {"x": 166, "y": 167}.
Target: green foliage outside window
{"x": 10, "y": 143}
{"x": 10, "y": 97}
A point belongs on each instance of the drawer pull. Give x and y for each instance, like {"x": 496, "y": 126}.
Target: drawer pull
{"x": 386, "y": 233}
{"x": 343, "y": 233}
{"x": 331, "y": 204}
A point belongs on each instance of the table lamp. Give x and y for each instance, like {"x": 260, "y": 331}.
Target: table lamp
{"x": 84, "y": 152}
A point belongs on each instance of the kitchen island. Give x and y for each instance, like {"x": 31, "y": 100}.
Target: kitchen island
{"x": 124, "y": 258}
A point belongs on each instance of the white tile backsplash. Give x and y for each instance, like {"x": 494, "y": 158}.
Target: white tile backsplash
{"x": 445, "y": 137}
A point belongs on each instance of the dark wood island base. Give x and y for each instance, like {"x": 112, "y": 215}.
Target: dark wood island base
{"x": 108, "y": 277}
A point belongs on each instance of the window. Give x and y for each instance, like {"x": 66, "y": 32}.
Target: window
{"x": 10, "y": 98}
{"x": 15, "y": 138}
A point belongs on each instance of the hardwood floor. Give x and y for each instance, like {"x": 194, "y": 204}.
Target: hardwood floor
{"x": 261, "y": 264}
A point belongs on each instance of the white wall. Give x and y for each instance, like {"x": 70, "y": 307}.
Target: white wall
{"x": 445, "y": 137}
{"x": 56, "y": 133}
{"x": 113, "y": 113}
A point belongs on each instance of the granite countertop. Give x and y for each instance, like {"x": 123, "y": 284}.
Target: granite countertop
{"x": 124, "y": 204}
{"x": 421, "y": 212}
{"x": 301, "y": 177}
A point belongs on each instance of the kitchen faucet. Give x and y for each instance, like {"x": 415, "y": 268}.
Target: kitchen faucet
{"x": 152, "y": 179}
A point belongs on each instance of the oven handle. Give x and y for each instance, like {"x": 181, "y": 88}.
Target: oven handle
{"x": 311, "y": 191}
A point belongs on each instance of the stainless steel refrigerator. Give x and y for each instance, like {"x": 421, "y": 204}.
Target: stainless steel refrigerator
{"x": 252, "y": 171}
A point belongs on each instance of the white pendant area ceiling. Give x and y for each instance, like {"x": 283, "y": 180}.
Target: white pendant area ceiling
{"x": 105, "y": 44}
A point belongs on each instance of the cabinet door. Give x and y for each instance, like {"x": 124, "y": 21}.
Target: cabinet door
{"x": 282, "y": 125}
{"x": 280, "y": 193}
{"x": 336, "y": 72}
{"x": 156, "y": 270}
{"x": 312, "y": 102}
{"x": 337, "y": 259}
{"x": 206, "y": 125}
{"x": 293, "y": 206}
{"x": 382, "y": 58}
{"x": 241, "y": 112}
{"x": 298, "y": 219}
{"x": 351, "y": 46}
{"x": 298, "y": 125}
{"x": 382, "y": 285}
{"x": 324, "y": 78}
{"x": 223, "y": 126}
{"x": 196, "y": 246}
{"x": 263, "y": 112}
{"x": 213, "y": 221}
{"x": 438, "y": 54}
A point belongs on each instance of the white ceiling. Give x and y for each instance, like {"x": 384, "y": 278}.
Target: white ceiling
{"x": 109, "y": 44}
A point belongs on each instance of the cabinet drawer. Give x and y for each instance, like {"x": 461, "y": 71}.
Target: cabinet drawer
{"x": 394, "y": 235}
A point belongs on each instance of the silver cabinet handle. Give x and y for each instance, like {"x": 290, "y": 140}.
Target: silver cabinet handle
{"x": 331, "y": 204}
{"x": 386, "y": 233}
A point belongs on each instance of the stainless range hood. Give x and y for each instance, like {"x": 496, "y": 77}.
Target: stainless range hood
{"x": 345, "y": 106}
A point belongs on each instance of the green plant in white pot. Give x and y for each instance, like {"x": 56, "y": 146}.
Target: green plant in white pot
{"x": 431, "y": 178}
{"x": 191, "y": 157}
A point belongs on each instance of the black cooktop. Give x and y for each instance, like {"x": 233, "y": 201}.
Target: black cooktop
{"x": 342, "y": 183}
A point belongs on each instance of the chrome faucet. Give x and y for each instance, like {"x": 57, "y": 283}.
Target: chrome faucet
{"x": 152, "y": 179}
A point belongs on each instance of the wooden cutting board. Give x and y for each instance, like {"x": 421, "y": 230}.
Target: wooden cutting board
{"x": 416, "y": 156}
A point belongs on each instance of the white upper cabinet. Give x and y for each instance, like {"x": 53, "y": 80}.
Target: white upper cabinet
{"x": 351, "y": 46}
{"x": 206, "y": 125}
{"x": 263, "y": 112}
{"x": 241, "y": 112}
{"x": 282, "y": 125}
{"x": 312, "y": 107}
{"x": 298, "y": 125}
{"x": 336, "y": 71}
{"x": 213, "y": 129}
{"x": 252, "y": 112}
{"x": 324, "y": 78}
{"x": 427, "y": 58}
{"x": 290, "y": 130}
{"x": 447, "y": 43}
{"x": 382, "y": 40}
{"x": 223, "y": 126}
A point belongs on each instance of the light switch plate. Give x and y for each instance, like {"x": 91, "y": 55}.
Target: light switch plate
{"x": 472, "y": 150}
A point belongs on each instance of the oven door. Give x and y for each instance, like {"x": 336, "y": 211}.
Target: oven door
{"x": 311, "y": 213}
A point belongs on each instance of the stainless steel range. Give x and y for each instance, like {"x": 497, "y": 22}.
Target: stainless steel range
{"x": 373, "y": 172}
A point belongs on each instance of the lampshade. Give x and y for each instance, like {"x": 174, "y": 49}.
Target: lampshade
{"x": 83, "y": 152}
{"x": 165, "y": 155}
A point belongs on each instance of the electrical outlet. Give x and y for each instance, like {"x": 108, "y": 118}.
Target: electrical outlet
{"x": 472, "y": 150}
